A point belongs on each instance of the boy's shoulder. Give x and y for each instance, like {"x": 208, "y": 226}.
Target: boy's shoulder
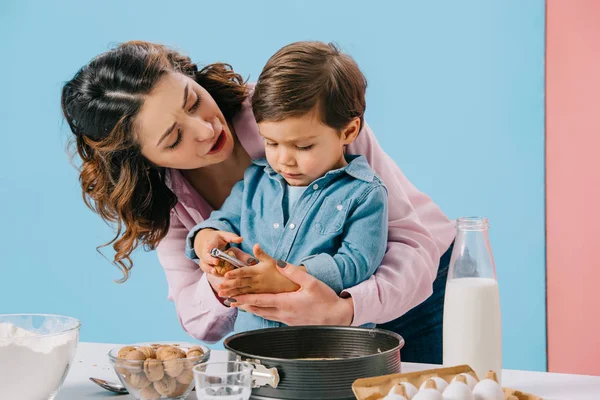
{"x": 258, "y": 167}
{"x": 354, "y": 184}
{"x": 259, "y": 174}
{"x": 359, "y": 190}
{"x": 363, "y": 175}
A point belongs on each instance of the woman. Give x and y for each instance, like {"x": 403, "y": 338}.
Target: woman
{"x": 162, "y": 144}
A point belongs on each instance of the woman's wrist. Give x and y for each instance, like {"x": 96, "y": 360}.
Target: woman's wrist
{"x": 214, "y": 281}
{"x": 342, "y": 313}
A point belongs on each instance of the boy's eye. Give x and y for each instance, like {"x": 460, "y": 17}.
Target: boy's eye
{"x": 304, "y": 147}
{"x": 272, "y": 144}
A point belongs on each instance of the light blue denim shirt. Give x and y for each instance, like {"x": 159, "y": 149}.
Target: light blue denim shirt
{"x": 337, "y": 229}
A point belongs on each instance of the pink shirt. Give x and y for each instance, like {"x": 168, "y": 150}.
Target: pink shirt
{"x": 419, "y": 233}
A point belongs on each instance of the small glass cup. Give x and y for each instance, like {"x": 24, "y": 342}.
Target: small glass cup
{"x": 223, "y": 381}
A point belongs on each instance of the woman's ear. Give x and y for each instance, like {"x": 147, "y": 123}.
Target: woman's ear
{"x": 350, "y": 131}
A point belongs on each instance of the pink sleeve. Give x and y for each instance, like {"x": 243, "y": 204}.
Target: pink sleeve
{"x": 200, "y": 313}
{"x": 405, "y": 277}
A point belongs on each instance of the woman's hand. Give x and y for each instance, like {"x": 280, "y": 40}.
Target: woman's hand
{"x": 263, "y": 277}
{"x": 314, "y": 304}
{"x": 207, "y": 239}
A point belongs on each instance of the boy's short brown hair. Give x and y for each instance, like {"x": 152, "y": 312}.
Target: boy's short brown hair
{"x": 305, "y": 75}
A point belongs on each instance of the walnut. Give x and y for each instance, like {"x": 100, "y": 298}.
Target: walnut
{"x": 149, "y": 352}
{"x": 149, "y": 393}
{"x": 154, "y": 370}
{"x": 122, "y": 368}
{"x": 180, "y": 390}
{"x": 123, "y": 352}
{"x": 135, "y": 355}
{"x": 138, "y": 381}
{"x": 193, "y": 354}
{"x": 166, "y": 386}
{"x": 185, "y": 377}
{"x": 134, "y": 363}
{"x": 167, "y": 352}
{"x": 162, "y": 348}
{"x": 224, "y": 267}
{"x": 195, "y": 351}
{"x": 173, "y": 365}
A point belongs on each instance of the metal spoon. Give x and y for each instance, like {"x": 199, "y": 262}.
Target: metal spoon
{"x": 110, "y": 386}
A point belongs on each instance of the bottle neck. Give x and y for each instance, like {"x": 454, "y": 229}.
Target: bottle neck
{"x": 472, "y": 254}
{"x": 477, "y": 224}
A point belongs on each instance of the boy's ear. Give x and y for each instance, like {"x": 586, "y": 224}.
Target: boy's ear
{"x": 350, "y": 131}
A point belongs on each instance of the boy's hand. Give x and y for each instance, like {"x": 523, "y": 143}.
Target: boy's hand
{"x": 207, "y": 239}
{"x": 260, "y": 278}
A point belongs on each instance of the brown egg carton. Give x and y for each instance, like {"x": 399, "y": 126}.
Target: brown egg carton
{"x": 378, "y": 387}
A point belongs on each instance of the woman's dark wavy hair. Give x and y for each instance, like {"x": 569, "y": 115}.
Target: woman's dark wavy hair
{"x": 100, "y": 105}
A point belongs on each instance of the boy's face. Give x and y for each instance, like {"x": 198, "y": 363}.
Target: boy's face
{"x": 303, "y": 149}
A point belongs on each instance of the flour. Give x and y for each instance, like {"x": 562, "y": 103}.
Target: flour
{"x": 9, "y": 331}
{"x": 34, "y": 363}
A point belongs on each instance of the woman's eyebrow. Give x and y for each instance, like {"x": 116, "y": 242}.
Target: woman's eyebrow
{"x": 170, "y": 129}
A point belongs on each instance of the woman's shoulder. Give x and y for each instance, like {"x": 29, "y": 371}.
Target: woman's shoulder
{"x": 246, "y": 128}
{"x": 246, "y": 113}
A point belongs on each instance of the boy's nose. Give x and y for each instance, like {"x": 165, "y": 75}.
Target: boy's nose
{"x": 285, "y": 158}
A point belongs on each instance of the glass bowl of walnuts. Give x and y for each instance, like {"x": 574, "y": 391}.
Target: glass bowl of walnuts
{"x": 152, "y": 371}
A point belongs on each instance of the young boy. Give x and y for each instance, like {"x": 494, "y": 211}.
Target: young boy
{"x": 307, "y": 203}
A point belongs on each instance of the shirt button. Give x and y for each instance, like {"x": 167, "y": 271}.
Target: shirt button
{"x": 275, "y": 225}
{"x": 315, "y": 186}
{"x": 292, "y": 226}
{"x": 340, "y": 207}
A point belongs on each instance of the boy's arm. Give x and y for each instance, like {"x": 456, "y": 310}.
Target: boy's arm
{"x": 227, "y": 219}
{"x": 363, "y": 245}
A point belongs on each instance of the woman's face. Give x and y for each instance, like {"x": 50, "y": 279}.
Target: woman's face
{"x": 180, "y": 125}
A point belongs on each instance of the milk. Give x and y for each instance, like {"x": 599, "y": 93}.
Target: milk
{"x": 472, "y": 325}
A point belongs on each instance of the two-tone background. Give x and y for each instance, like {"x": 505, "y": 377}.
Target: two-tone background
{"x": 488, "y": 106}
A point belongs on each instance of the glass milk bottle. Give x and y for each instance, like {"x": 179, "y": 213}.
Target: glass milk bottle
{"x": 472, "y": 324}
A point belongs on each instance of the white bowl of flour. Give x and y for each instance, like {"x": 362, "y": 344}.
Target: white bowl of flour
{"x": 36, "y": 352}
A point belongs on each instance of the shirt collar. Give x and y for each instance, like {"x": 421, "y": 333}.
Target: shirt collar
{"x": 357, "y": 167}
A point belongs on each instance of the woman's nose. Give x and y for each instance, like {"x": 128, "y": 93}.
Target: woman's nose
{"x": 204, "y": 130}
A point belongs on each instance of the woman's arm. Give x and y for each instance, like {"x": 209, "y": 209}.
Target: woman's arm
{"x": 200, "y": 312}
{"x": 405, "y": 277}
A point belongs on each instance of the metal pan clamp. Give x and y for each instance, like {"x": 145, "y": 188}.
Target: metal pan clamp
{"x": 261, "y": 375}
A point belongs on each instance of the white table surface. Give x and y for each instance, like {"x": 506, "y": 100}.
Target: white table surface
{"x": 92, "y": 360}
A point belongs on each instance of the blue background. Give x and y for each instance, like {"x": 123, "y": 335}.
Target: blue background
{"x": 456, "y": 97}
